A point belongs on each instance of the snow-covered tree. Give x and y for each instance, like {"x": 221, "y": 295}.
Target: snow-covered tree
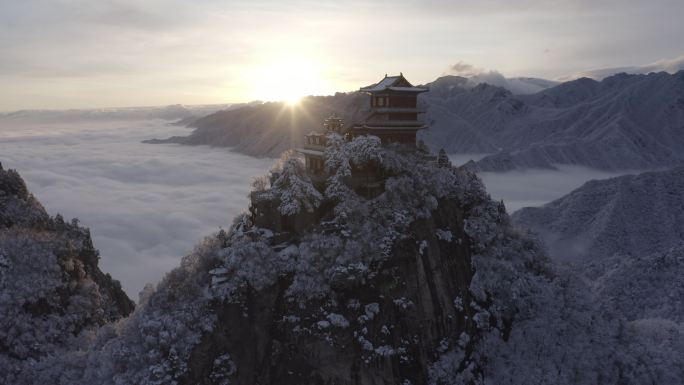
{"x": 296, "y": 192}
{"x": 443, "y": 159}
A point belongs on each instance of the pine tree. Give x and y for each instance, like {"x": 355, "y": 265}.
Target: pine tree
{"x": 443, "y": 160}
{"x": 297, "y": 194}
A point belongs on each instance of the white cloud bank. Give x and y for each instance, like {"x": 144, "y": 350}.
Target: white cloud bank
{"x": 146, "y": 205}
{"x": 533, "y": 187}
{"x": 517, "y": 85}
{"x": 663, "y": 65}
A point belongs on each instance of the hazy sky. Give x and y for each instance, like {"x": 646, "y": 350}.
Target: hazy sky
{"x": 76, "y": 53}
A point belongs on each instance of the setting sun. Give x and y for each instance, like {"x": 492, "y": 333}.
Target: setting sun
{"x": 287, "y": 79}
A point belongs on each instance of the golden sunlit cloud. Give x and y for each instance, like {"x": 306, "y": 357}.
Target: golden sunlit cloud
{"x": 288, "y": 79}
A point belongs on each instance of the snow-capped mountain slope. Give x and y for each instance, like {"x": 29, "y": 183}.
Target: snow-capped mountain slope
{"x": 629, "y": 215}
{"x": 642, "y": 286}
{"x": 51, "y": 289}
{"x": 268, "y": 129}
{"x": 624, "y": 122}
{"x": 625, "y": 236}
{"x": 517, "y": 85}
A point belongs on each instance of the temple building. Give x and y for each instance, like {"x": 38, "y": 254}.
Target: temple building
{"x": 394, "y": 111}
{"x": 393, "y": 118}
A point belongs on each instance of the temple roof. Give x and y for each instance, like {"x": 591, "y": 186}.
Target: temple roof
{"x": 307, "y": 151}
{"x": 392, "y": 83}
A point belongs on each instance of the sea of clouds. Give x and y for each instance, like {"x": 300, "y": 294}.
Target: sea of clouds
{"x": 534, "y": 187}
{"x": 146, "y": 205}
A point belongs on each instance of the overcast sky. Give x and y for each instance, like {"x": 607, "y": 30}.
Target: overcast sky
{"x": 78, "y": 54}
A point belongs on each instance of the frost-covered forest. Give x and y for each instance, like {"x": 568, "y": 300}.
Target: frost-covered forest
{"x": 623, "y": 236}
{"x": 421, "y": 280}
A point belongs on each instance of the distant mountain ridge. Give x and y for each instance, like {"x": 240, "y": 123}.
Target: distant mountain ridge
{"x": 170, "y": 112}
{"x": 268, "y": 129}
{"x": 517, "y": 85}
{"x": 624, "y": 122}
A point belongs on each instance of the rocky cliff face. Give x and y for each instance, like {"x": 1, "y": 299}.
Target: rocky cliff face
{"x": 379, "y": 322}
{"x": 51, "y": 288}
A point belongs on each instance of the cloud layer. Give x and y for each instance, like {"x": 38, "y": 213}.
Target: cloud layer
{"x": 531, "y": 188}
{"x": 518, "y": 86}
{"x": 663, "y": 65}
{"x": 146, "y": 205}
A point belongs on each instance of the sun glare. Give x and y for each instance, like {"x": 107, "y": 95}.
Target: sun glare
{"x": 287, "y": 80}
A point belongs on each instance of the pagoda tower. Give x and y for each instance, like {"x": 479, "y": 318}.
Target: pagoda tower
{"x": 315, "y": 143}
{"x": 394, "y": 111}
